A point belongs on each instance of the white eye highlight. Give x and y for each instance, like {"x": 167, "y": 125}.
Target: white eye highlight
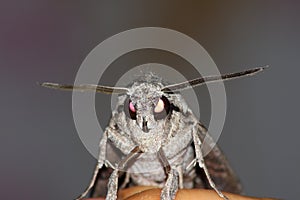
{"x": 160, "y": 106}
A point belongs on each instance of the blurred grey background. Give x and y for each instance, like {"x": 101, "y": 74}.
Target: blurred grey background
{"x": 42, "y": 40}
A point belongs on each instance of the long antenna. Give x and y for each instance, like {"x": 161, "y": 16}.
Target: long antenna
{"x": 86, "y": 87}
{"x": 210, "y": 79}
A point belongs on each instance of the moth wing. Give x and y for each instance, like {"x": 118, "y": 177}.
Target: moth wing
{"x": 100, "y": 187}
{"x": 218, "y": 166}
{"x": 113, "y": 156}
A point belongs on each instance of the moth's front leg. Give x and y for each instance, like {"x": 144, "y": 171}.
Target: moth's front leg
{"x": 200, "y": 160}
{"x": 171, "y": 186}
{"x": 101, "y": 160}
{"x": 113, "y": 179}
{"x": 122, "y": 142}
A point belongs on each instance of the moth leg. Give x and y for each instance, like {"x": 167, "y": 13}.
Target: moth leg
{"x": 101, "y": 160}
{"x": 126, "y": 180}
{"x": 112, "y": 185}
{"x": 113, "y": 179}
{"x": 180, "y": 175}
{"x": 191, "y": 164}
{"x": 171, "y": 186}
{"x": 200, "y": 160}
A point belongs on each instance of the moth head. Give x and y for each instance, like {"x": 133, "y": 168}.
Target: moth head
{"x": 147, "y": 106}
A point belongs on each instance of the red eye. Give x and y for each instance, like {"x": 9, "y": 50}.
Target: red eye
{"x": 130, "y": 109}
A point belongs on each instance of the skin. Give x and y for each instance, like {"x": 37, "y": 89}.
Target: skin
{"x": 152, "y": 193}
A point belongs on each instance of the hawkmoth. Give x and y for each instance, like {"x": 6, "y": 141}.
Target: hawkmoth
{"x": 160, "y": 139}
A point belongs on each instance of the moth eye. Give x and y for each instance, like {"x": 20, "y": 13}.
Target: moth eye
{"x": 162, "y": 108}
{"x": 130, "y": 109}
{"x": 159, "y": 106}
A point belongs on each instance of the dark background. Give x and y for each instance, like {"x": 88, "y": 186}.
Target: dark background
{"x": 42, "y": 40}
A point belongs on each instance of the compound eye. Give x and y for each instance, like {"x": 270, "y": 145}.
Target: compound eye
{"x": 129, "y": 109}
{"x": 162, "y": 108}
{"x": 159, "y": 106}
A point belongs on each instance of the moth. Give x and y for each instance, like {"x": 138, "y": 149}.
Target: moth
{"x": 160, "y": 140}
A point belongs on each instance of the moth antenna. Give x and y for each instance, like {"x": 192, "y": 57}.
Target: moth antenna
{"x": 210, "y": 79}
{"x": 86, "y": 87}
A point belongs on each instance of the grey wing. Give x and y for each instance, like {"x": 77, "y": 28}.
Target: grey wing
{"x": 100, "y": 187}
{"x": 113, "y": 155}
{"x": 218, "y": 166}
